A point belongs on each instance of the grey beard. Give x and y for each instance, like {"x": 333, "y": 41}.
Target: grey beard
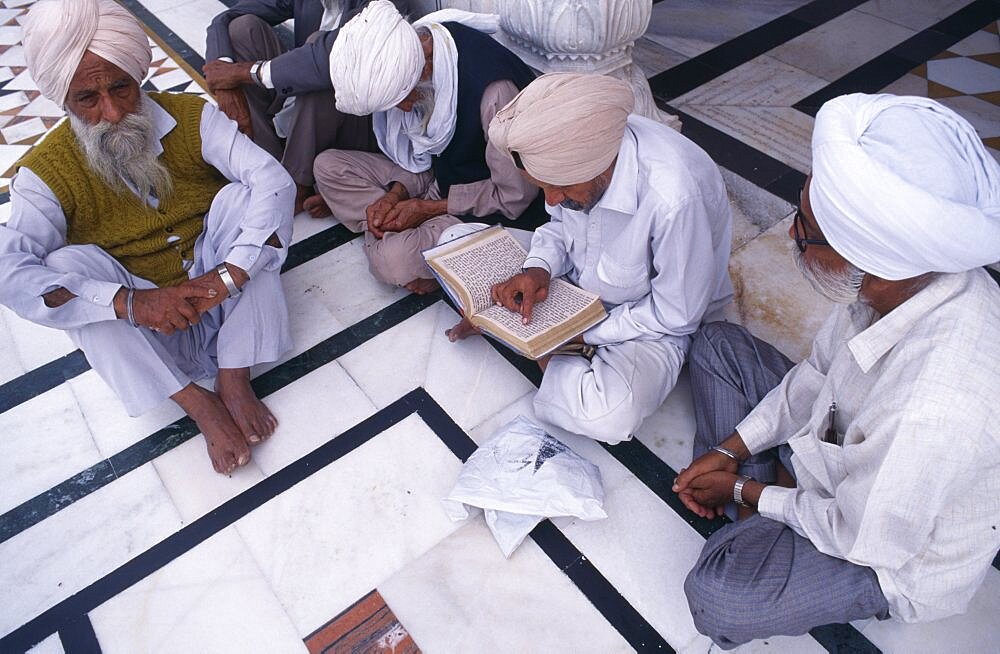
{"x": 843, "y": 287}
{"x": 125, "y": 152}
{"x": 424, "y": 107}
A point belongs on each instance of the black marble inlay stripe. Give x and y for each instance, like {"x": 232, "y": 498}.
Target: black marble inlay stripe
{"x": 46, "y": 377}
{"x": 896, "y": 62}
{"x": 721, "y": 59}
{"x": 176, "y": 43}
{"x": 78, "y": 637}
{"x": 57, "y": 498}
{"x": 69, "y": 618}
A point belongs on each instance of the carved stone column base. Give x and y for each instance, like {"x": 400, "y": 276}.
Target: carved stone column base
{"x": 644, "y": 103}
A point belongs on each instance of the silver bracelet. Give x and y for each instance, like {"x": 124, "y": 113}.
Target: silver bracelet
{"x": 738, "y": 491}
{"x": 128, "y": 307}
{"x": 255, "y": 73}
{"x": 227, "y": 279}
{"x": 726, "y": 451}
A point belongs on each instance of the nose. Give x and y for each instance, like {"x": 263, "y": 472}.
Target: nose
{"x": 554, "y": 197}
{"x": 110, "y": 111}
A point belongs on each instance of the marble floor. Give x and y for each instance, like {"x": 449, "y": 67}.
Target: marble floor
{"x": 116, "y": 536}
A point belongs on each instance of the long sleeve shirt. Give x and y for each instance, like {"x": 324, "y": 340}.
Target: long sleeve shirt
{"x": 37, "y": 225}
{"x": 912, "y": 488}
{"x": 656, "y": 245}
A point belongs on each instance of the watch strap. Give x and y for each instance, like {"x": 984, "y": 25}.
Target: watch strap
{"x": 738, "y": 491}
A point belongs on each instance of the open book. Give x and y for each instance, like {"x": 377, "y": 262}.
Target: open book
{"x": 468, "y": 267}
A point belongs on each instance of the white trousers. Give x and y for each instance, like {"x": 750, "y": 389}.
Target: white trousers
{"x": 608, "y": 397}
{"x": 144, "y": 367}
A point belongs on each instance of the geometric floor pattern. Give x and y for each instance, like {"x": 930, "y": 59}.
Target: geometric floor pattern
{"x": 116, "y": 536}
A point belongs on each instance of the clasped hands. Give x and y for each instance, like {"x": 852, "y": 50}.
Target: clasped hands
{"x": 706, "y": 486}
{"x": 396, "y": 211}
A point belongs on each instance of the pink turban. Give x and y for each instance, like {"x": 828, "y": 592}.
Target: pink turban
{"x": 58, "y": 32}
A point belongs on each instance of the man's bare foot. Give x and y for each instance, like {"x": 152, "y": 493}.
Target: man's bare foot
{"x": 227, "y": 447}
{"x": 301, "y": 193}
{"x": 251, "y": 415}
{"x": 421, "y": 286}
{"x": 462, "y": 329}
{"x": 316, "y": 206}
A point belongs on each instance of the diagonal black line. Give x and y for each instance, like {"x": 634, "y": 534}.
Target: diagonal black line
{"x": 46, "y": 377}
{"x": 721, "y": 59}
{"x": 876, "y": 74}
{"x": 78, "y": 637}
{"x": 57, "y": 498}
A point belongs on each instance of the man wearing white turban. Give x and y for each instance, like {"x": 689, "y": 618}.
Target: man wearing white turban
{"x": 640, "y": 216}
{"x": 433, "y": 86}
{"x": 873, "y": 465}
{"x": 149, "y": 229}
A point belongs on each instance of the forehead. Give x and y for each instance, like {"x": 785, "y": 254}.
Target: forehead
{"x": 95, "y": 71}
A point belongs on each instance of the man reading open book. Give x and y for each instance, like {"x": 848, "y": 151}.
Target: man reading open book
{"x": 640, "y": 216}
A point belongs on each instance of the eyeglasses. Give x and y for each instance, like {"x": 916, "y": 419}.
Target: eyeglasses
{"x": 799, "y": 225}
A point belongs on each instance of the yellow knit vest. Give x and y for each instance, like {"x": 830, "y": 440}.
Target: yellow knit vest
{"x": 116, "y": 220}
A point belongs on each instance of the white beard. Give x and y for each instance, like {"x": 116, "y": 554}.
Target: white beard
{"x": 840, "y": 287}
{"x": 125, "y": 151}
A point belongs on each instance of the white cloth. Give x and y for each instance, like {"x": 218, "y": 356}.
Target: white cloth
{"x": 902, "y": 186}
{"x": 913, "y": 491}
{"x": 57, "y": 33}
{"x": 410, "y": 138}
{"x": 37, "y": 226}
{"x": 333, "y": 12}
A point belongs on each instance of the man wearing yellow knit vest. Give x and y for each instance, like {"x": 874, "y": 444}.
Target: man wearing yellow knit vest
{"x": 149, "y": 229}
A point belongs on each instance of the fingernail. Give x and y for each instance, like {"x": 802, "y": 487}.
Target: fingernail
{"x": 212, "y": 292}
{"x": 254, "y": 438}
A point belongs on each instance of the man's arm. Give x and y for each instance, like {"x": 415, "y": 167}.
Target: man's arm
{"x": 218, "y": 44}
{"x": 506, "y": 191}
{"x": 272, "y": 192}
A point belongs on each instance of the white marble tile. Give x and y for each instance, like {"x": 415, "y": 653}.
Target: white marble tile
{"x": 18, "y": 3}
{"x": 51, "y": 645}
{"x": 14, "y": 56}
{"x": 469, "y": 379}
{"x": 654, "y": 58}
{"x": 311, "y": 411}
{"x": 6, "y": 73}
{"x": 839, "y": 46}
{"x": 669, "y": 432}
{"x": 464, "y": 596}
{"x": 976, "y": 631}
{"x": 754, "y": 209}
{"x": 45, "y": 441}
{"x": 24, "y": 130}
{"x": 336, "y": 535}
{"x": 23, "y": 82}
{"x": 210, "y": 599}
{"x": 189, "y": 20}
{"x": 36, "y": 345}
{"x": 345, "y": 287}
{"x": 194, "y": 486}
{"x": 159, "y": 5}
{"x": 915, "y": 14}
{"x": 170, "y": 79}
{"x": 42, "y": 106}
{"x": 982, "y": 42}
{"x": 305, "y": 226}
{"x": 984, "y": 116}
{"x": 908, "y": 84}
{"x": 10, "y": 34}
{"x": 763, "y": 81}
{"x": 11, "y": 100}
{"x": 963, "y": 74}
{"x": 85, "y": 541}
{"x": 10, "y": 363}
{"x": 9, "y": 154}
{"x": 6, "y": 15}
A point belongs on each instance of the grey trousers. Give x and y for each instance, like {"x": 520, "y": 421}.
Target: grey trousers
{"x": 758, "y": 578}
{"x": 144, "y": 367}
{"x": 317, "y": 126}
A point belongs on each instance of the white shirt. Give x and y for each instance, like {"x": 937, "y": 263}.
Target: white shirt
{"x": 656, "y": 245}
{"x": 37, "y": 225}
{"x": 913, "y": 489}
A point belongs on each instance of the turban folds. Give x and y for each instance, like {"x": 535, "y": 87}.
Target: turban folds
{"x": 903, "y": 186}
{"x": 566, "y": 128}
{"x": 58, "y": 32}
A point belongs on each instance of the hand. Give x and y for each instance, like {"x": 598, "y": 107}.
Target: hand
{"x": 168, "y": 309}
{"x": 522, "y": 291}
{"x": 708, "y": 494}
{"x": 233, "y": 103}
{"x": 222, "y": 75}
{"x": 408, "y": 214}
{"x": 706, "y": 464}
{"x": 212, "y": 280}
{"x": 377, "y": 211}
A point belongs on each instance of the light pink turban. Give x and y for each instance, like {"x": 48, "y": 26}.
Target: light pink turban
{"x": 58, "y": 32}
{"x": 565, "y": 127}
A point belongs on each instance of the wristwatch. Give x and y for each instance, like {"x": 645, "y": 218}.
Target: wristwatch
{"x": 738, "y": 491}
{"x": 227, "y": 279}
{"x": 255, "y": 73}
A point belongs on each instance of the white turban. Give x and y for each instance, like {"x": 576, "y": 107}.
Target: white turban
{"x": 376, "y": 60}
{"x": 58, "y": 32}
{"x": 566, "y": 128}
{"x": 903, "y": 186}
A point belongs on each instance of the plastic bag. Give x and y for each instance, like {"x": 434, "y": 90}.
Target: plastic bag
{"x": 522, "y": 475}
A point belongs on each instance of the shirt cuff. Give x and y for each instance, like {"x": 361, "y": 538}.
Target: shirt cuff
{"x": 247, "y": 257}
{"x": 778, "y": 503}
{"x": 757, "y": 433}
{"x": 228, "y": 60}
{"x": 265, "y": 74}
{"x": 537, "y": 262}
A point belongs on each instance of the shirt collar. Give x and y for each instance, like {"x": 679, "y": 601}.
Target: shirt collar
{"x": 874, "y": 342}
{"x": 621, "y": 195}
{"x": 163, "y": 123}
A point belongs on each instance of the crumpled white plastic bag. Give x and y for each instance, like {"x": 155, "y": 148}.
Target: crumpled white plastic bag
{"x": 522, "y": 475}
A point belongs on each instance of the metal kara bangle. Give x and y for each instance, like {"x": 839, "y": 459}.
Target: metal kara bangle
{"x": 227, "y": 279}
{"x": 726, "y": 451}
{"x": 128, "y": 307}
{"x": 255, "y": 73}
{"x": 738, "y": 491}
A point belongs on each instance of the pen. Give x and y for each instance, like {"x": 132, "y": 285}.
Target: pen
{"x": 831, "y": 431}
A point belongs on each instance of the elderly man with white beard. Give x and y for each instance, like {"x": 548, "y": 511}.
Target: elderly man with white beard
{"x": 149, "y": 229}
{"x": 433, "y": 87}
{"x": 874, "y": 464}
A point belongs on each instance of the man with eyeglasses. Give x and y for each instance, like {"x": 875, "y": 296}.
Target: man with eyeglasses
{"x": 869, "y": 474}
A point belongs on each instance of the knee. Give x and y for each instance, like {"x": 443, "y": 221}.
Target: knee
{"x": 246, "y": 29}
{"x": 720, "y": 609}
{"x": 388, "y": 261}
{"x": 706, "y": 343}
{"x": 606, "y": 419}
{"x": 331, "y": 165}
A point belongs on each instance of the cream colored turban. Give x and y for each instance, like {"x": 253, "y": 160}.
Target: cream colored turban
{"x": 566, "y": 128}
{"x": 902, "y": 186}
{"x": 58, "y": 32}
{"x": 376, "y": 60}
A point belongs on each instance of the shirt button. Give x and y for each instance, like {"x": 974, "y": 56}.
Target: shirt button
{"x": 96, "y": 298}
{"x": 169, "y": 230}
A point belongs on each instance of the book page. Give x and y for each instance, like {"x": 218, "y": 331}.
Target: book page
{"x": 490, "y": 262}
{"x": 564, "y": 301}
